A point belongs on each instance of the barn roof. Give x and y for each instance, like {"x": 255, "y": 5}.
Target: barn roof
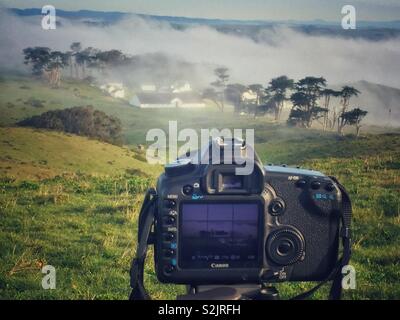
{"x": 154, "y": 98}
{"x": 166, "y": 98}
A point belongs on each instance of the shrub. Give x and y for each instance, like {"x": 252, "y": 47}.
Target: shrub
{"x": 83, "y": 121}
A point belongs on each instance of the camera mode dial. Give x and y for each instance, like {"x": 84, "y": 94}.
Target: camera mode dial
{"x": 179, "y": 167}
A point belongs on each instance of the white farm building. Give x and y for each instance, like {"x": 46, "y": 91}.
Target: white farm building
{"x": 115, "y": 90}
{"x": 167, "y": 100}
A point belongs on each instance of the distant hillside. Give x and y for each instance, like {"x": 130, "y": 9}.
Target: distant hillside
{"x": 40, "y": 154}
{"x": 378, "y": 100}
{"x": 113, "y": 16}
{"x": 373, "y": 30}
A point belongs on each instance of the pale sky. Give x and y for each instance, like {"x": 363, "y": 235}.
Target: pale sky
{"x": 231, "y": 9}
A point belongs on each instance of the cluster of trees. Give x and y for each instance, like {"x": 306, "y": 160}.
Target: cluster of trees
{"x": 84, "y": 121}
{"x": 46, "y": 62}
{"x": 49, "y": 64}
{"x": 309, "y": 98}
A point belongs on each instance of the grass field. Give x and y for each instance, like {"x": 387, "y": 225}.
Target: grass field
{"x": 72, "y": 202}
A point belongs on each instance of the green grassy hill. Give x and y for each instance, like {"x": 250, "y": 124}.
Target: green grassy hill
{"x": 73, "y": 202}
{"x": 39, "y": 154}
{"x": 22, "y": 97}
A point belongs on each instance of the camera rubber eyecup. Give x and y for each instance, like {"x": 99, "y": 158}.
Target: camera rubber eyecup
{"x": 285, "y": 246}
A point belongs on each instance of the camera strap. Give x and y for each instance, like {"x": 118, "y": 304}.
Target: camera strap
{"x": 345, "y": 234}
{"x": 146, "y": 221}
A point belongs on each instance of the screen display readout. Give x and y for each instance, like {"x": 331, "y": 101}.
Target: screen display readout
{"x": 223, "y": 233}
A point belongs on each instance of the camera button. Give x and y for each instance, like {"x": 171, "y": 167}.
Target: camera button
{"x": 330, "y": 187}
{"x": 169, "y": 236}
{"x": 315, "y": 185}
{"x": 170, "y": 220}
{"x": 170, "y": 204}
{"x": 188, "y": 190}
{"x": 169, "y": 253}
{"x": 169, "y": 268}
{"x": 301, "y": 183}
{"x": 276, "y": 207}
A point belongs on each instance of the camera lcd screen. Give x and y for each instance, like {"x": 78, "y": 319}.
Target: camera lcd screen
{"x": 219, "y": 235}
{"x": 231, "y": 181}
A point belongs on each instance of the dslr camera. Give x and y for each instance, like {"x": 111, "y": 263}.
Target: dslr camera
{"x": 215, "y": 226}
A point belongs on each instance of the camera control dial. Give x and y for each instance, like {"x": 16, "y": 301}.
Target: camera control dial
{"x": 285, "y": 246}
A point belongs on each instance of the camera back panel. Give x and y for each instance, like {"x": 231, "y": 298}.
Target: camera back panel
{"x": 278, "y": 224}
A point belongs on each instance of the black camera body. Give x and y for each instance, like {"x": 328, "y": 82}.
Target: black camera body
{"x": 213, "y": 226}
